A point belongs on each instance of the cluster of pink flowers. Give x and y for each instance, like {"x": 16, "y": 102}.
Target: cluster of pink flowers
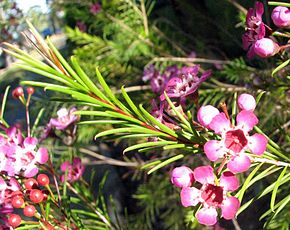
{"x": 178, "y": 83}
{"x": 255, "y": 39}
{"x": 212, "y": 195}
{"x": 20, "y": 156}
{"x": 233, "y": 140}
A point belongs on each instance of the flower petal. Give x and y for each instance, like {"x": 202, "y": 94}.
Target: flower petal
{"x": 189, "y": 196}
{"x": 230, "y": 207}
{"x": 65, "y": 165}
{"x": 213, "y": 150}
{"x": 220, "y": 123}
{"x": 207, "y": 216}
{"x": 42, "y": 155}
{"x": 204, "y": 174}
{"x": 257, "y": 143}
{"x": 30, "y": 143}
{"x": 30, "y": 172}
{"x": 239, "y": 164}
{"x": 229, "y": 181}
{"x": 205, "y": 114}
{"x": 246, "y": 120}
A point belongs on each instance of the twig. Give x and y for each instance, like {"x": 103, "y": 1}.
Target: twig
{"x": 268, "y": 161}
{"x": 238, "y": 6}
{"x": 184, "y": 59}
{"x": 145, "y": 20}
{"x": 108, "y": 160}
{"x": 236, "y": 224}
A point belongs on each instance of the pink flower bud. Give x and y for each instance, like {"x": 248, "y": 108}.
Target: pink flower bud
{"x": 18, "y": 92}
{"x": 246, "y": 102}
{"x": 205, "y": 114}
{"x": 281, "y": 16}
{"x": 265, "y": 47}
{"x": 182, "y": 177}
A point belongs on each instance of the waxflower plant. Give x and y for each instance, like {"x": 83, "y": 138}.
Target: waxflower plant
{"x": 213, "y": 137}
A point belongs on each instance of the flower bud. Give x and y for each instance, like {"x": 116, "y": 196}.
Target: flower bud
{"x": 281, "y": 16}
{"x": 265, "y": 47}
{"x": 182, "y": 177}
{"x": 18, "y": 92}
{"x": 30, "y": 90}
{"x": 205, "y": 114}
{"x": 246, "y": 102}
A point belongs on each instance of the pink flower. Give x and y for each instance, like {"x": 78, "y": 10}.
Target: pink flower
{"x": 185, "y": 84}
{"x": 64, "y": 119}
{"x": 281, "y": 16}
{"x": 235, "y": 140}
{"x": 75, "y": 170}
{"x": 182, "y": 177}
{"x": 82, "y": 26}
{"x": 95, "y": 8}
{"x": 211, "y": 195}
{"x": 255, "y": 28}
{"x": 265, "y": 47}
{"x": 246, "y": 102}
{"x": 20, "y": 157}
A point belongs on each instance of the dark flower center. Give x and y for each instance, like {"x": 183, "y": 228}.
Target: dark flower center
{"x": 212, "y": 195}
{"x": 235, "y": 140}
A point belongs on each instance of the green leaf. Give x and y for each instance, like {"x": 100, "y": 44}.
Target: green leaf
{"x": 166, "y": 162}
{"x": 275, "y": 190}
{"x": 130, "y": 130}
{"x": 154, "y": 121}
{"x": 131, "y": 104}
{"x": 67, "y": 81}
{"x": 150, "y": 164}
{"x": 279, "y": 4}
{"x": 263, "y": 193}
{"x": 109, "y": 92}
{"x": 240, "y": 194}
{"x": 284, "y": 64}
{"x": 101, "y": 122}
{"x": 87, "y": 81}
{"x": 148, "y": 144}
{"x": 3, "y": 106}
{"x": 39, "y": 115}
{"x": 258, "y": 98}
{"x": 180, "y": 116}
{"x": 234, "y": 107}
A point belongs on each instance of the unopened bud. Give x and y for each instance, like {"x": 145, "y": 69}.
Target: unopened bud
{"x": 265, "y": 47}
{"x": 18, "y": 92}
{"x": 281, "y": 16}
{"x": 30, "y": 90}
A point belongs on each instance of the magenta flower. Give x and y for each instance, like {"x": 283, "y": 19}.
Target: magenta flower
{"x": 265, "y": 47}
{"x": 182, "y": 177}
{"x": 185, "y": 84}
{"x": 82, "y": 26}
{"x": 255, "y": 28}
{"x": 95, "y": 8}
{"x": 212, "y": 195}
{"x": 20, "y": 157}
{"x": 281, "y": 16}
{"x": 75, "y": 170}
{"x": 64, "y": 119}
{"x": 235, "y": 139}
